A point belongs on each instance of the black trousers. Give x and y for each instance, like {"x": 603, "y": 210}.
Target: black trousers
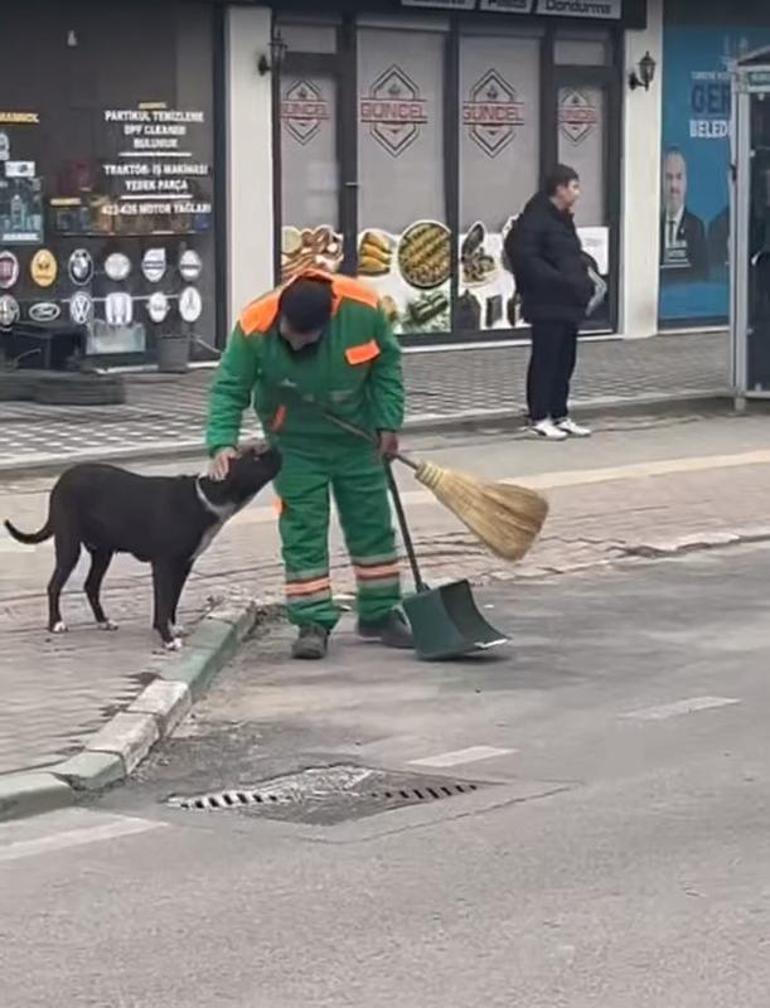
{"x": 554, "y": 352}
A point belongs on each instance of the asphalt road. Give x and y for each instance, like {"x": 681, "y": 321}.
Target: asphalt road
{"x": 619, "y": 855}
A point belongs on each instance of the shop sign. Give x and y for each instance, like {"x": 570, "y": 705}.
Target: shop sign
{"x": 607, "y": 9}
{"x": 155, "y": 172}
{"x": 44, "y": 268}
{"x": 507, "y": 6}
{"x": 9, "y": 270}
{"x": 44, "y": 311}
{"x": 81, "y": 308}
{"x": 303, "y": 110}
{"x": 394, "y": 111}
{"x": 578, "y": 117}
{"x": 9, "y": 311}
{"x": 443, "y": 4}
{"x": 492, "y": 113}
{"x": 80, "y": 267}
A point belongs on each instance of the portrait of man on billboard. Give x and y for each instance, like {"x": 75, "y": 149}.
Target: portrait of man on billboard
{"x": 683, "y": 245}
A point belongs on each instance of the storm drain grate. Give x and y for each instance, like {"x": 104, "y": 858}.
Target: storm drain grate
{"x": 327, "y": 795}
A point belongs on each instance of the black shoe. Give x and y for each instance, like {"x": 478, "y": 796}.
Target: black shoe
{"x": 393, "y": 631}
{"x": 311, "y": 644}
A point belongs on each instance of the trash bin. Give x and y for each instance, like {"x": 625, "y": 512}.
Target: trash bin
{"x": 46, "y": 346}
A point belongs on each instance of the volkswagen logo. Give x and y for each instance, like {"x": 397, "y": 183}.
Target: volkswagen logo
{"x": 81, "y": 308}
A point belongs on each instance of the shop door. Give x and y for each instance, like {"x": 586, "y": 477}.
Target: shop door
{"x": 585, "y": 139}
{"x": 758, "y": 335}
{"x": 311, "y": 206}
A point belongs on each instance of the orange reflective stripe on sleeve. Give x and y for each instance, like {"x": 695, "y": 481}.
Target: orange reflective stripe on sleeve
{"x": 279, "y": 418}
{"x": 363, "y": 353}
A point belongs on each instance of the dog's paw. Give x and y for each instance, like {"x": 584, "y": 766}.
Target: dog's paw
{"x": 59, "y": 627}
{"x": 173, "y": 645}
{"x": 107, "y": 625}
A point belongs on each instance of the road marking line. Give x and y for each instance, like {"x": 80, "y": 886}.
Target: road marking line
{"x": 680, "y": 707}
{"x": 76, "y": 838}
{"x": 459, "y": 756}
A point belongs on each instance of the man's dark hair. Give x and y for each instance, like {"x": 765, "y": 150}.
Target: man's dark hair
{"x": 561, "y": 175}
{"x": 306, "y": 304}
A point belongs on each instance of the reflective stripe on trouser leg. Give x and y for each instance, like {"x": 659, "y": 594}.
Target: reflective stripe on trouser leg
{"x": 303, "y": 485}
{"x": 361, "y": 491}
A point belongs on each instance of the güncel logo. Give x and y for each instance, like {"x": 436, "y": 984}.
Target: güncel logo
{"x": 303, "y": 110}
{"x": 578, "y": 116}
{"x": 394, "y": 111}
{"x": 492, "y": 113}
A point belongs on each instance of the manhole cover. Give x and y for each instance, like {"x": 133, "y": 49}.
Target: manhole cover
{"x": 328, "y": 795}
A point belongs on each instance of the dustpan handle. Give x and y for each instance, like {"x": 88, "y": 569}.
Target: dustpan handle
{"x": 406, "y": 535}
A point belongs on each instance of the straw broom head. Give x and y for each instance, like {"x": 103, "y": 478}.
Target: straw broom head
{"x": 506, "y": 518}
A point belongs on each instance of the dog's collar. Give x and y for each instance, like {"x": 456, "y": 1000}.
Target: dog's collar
{"x": 220, "y": 511}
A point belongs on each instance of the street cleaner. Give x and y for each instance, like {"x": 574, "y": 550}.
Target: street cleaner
{"x": 321, "y": 343}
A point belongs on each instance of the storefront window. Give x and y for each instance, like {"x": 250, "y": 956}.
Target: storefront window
{"x": 106, "y": 198}
{"x": 404, "y": 246}
{"x": 499, "y": 169}
{"x": 582, "y": 140}
{"x": 311, "y": 233}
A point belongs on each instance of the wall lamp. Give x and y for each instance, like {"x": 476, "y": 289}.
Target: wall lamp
{"x": 277, "y": 52}
{"x": 643, "y": 74}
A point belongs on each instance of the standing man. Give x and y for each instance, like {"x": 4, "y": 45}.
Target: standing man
{"x": 683, "y": 244}
{"x": 552, "y": 279}
{"x": 324, "y": 339}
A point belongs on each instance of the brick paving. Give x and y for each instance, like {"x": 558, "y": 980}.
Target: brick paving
{"x": 57, "y": 691}
{"x": 166, "y": 414}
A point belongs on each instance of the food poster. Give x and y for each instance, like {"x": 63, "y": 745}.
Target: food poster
{"x": 486, "y": 289}
{"x": 304, "y": 248}
{"x": 411, "y": 273}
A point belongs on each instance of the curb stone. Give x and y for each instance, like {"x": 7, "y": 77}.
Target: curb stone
{"x": 129, "y": 736}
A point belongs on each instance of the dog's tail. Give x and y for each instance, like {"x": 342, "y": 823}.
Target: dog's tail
{"x": 30, "y": 538}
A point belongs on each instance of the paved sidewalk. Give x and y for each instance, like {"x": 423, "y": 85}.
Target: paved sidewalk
{"x": 57, "y": 691}
{"x": 165, "y": 414}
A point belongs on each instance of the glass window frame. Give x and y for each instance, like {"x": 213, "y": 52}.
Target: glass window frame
{"x": 552, "y": 77}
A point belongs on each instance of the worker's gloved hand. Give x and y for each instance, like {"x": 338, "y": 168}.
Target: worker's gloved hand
{"x": 219, "y": 466}
{"x": 388, "y": 444}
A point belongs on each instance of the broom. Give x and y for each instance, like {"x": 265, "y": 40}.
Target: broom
{"x": 506, "y": 518}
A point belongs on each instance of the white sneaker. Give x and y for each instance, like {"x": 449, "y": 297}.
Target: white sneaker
{"x": 572, "y": 429}
{"x": 547, "y": 429}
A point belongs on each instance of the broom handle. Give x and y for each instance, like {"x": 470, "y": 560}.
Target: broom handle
{"x": 406, "y": 535}
{"x": 359, "y": 432}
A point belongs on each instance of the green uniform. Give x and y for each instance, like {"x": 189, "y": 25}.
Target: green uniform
{"x": 356, "y": 374}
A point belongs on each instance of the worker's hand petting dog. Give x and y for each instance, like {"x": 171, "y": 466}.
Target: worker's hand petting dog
{"x": 388, "y": 444}
{"x": 219, "y": 466}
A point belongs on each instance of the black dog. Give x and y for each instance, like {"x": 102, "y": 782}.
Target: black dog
{"x": 167, "y": 521}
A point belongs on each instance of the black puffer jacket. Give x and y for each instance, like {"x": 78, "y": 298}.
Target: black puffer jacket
{"x": 547, "y": 260}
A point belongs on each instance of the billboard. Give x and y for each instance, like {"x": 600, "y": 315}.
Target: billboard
{"x": 695, "y": 161}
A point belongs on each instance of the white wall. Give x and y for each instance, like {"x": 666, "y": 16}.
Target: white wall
{"x": 249, "y": 157}
{"x": 641, "y": 183}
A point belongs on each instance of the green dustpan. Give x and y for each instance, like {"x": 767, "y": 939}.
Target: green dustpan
{"x": 445, "y": 621}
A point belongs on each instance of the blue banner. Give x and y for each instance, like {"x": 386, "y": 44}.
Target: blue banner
{"x": 695, "y": 218}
